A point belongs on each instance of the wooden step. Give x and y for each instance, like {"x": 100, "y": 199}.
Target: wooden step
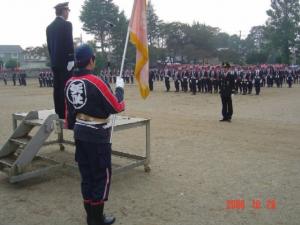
{"x": 21, "y": 141}
{"x": 9, "y": 160}
{"x": 37, "y": 122}
{"x": 38, "y": 167}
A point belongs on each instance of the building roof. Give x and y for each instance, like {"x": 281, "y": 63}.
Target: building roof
{"x": 10, "y": 48}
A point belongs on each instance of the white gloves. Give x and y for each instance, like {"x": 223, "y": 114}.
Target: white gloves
{"x": 120, "y": 82}
{"x": 70, "y": 65}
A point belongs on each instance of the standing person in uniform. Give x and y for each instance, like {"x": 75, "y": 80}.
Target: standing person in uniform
{"x": 193, "y": 83}
{"x": 177, "y": 81}
{"x": 5, "y": 78}
{"x": 151, "y": 78}
{"x": 40, "y": 78}
{"x": 184, "y": 82}
{"x": 226, "y": 90}
{"x": 24, "y": 77}
{"x": 19, "y": 79}
{"x": 14, "y": 79}
{"x": 89, "y": 103}
{"x": 61, "y": 50}
{"x": 167, "y": 81}
{"x": 257, "y": 84}
{"x": 289, "y": 80}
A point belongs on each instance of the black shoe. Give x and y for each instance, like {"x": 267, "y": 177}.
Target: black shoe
{"x": 229, "y": 120}
{"x": 107, "y": 220}
{"x": 223, "y": 120}
{"x": 98, "y": 218}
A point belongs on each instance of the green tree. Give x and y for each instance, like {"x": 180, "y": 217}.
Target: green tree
{"x": 98, "y": 17}
{"x": 256, "y": 57}
{"x": 119, "y": 32}
{"x": 221, "y": 40}
{"x": 199, "y": 41}
{"x": 11, "y": 64}
{"x": 283, "y": 26}
{"x": 175, "y": 35}
{"x": 256, "y": 39}
{"x": 102, "y": 19}
{"x": 153, "y": 25}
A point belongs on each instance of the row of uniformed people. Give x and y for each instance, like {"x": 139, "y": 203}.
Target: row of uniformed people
{"x": 46, "y": 79}
{"x": 209, "y": 81}
{"x": 110, "y": 76}
{"x": 20, "y": 77}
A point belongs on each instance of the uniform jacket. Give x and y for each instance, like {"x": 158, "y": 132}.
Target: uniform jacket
{"x": 227, "y": 85}
{"x": 89, "y": 94}
{"x": 60, "y": 43}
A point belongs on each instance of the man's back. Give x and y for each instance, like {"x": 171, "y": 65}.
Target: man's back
{"x": 60, "y": 42}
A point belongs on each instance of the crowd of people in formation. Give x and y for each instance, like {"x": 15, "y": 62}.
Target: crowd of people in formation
{"x": 188, "y": 78}
{"x": 17, "y": 78}
{"x": 110, "y": 76}
{"x": 206, "y": 79}
{"x": 45, "y": 79}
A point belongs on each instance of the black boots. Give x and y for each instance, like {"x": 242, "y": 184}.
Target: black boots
{"x": 87, "y": 207}
{"x": 95, "y": 215}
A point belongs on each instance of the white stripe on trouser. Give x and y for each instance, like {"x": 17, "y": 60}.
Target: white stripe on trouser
{"x": 106, "y": 185}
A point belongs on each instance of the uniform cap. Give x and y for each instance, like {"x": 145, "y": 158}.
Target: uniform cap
{"x": 63, "y": 5}
{"x": 83, "y": 53}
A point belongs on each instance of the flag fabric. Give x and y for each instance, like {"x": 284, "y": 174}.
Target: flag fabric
{"x": 138, "y": 37}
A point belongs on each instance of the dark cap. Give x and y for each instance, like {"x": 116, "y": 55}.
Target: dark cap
{"x": 83, "y": 53}
{"x": 64, "y": 5}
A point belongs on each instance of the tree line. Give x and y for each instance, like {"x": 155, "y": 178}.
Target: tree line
{"x": 276, "y": 41}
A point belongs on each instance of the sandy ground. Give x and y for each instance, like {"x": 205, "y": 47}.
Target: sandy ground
{"x": 198, "y": 164}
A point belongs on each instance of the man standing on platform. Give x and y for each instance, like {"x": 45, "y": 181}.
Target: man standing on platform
{"x": 226, "y": 90}
{"x": 61, "y": 50}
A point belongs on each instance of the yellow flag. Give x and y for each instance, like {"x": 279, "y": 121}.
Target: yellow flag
{"x": 138, "y": 37}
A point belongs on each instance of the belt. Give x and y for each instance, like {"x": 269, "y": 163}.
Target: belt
{"x": 87, "y": 118}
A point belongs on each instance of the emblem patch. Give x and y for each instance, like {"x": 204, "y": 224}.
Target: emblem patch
{"x": 76, "y": 94}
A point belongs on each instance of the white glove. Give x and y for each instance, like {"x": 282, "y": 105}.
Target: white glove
{"x": 70, "y": 65}
{"x": 120, "y": 82}
{"x": 232, "y": 95}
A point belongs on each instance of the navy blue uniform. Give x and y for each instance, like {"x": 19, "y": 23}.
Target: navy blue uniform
{"x": 61, "y": 51}
{"x": 226, "y": 89}
{"x": 90, "y": 95}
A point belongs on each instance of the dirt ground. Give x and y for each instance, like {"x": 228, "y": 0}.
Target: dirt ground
{"x": 199, "y": 165}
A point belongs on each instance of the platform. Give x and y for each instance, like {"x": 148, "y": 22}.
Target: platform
{"x": 21, "y": 151}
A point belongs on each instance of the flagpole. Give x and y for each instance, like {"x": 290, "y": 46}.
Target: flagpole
{"x": 121, "y": 72}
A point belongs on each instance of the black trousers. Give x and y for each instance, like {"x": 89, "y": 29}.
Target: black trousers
{"x": 94, "y": 163}
{"x": 59, "y": 82}
{"x": 167, "y": 84}
{"x": 257, "y": 90}
{"x": 226, "y": 106}
{"x": 151, "y": 85}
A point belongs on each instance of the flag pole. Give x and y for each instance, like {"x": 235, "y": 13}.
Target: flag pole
{"x": 121, "y": 72}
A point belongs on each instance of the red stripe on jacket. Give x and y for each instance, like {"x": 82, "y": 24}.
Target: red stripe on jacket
{"x": 104, "y": 89}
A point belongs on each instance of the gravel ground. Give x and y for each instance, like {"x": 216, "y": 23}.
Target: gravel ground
{"x": 199, "y": 165}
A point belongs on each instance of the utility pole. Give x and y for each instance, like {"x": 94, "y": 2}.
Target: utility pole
{"x": 240, "y": 49}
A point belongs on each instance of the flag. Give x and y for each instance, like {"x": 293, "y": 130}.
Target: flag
{"x": 138, "y": 37}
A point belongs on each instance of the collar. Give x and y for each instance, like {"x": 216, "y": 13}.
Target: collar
{"x": 81, "y": 71}
{"x": 60, "y": 17}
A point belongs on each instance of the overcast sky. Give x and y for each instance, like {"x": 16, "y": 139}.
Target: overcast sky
{"x": 23, "y": 22}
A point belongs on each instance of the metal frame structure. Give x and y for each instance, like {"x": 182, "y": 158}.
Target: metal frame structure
{"x": 48, "y": 122}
